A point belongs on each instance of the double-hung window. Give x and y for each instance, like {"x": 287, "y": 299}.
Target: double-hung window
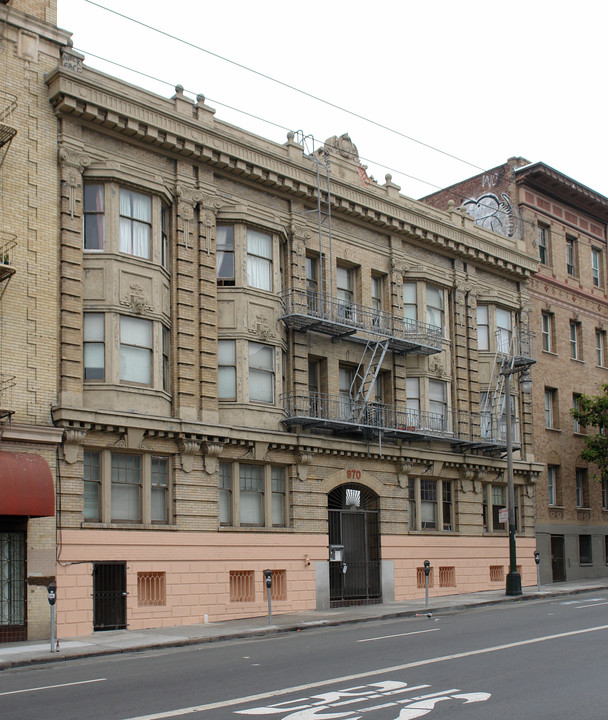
{"x": 259, "y": 259}
{"x": 430, "y": 503}
{"x": 552, "y": 484}
{"x": 412, "y": 394}
{"x": 596, "y": 268}
{"x": 345, "y": 285}
{"x": 582, "y": 488}
{"x": 438, "y": 405}
{"x": 252, "y": 495}
{"x": 410, "y": 305}
{"x": 504, "y": 330}
{"x": 135, "y": 350}
{"x": 94, "y": 346}
{"x": 550, "y": 408}
{"x": 226, "y": 361}
{"x": 483, "y": 328}
{"x": 547, "y": 331}
{"x": 261, "y": 373}
{"x": 434, "y": 306}
{"x": 224, "y": 258}
{"x": 159, "y": 490}
{"x": 126, "y": 487}
{"x": 571, "y": 252}
{"x": 576, "y": 402}
{"x": 312, "y": 285}
{"x": 494, "y": 502}
{"x": 92, "y": 486}
{"x": 135, "y": 223}
{"x": 600, "y": 347}
{"x": 575, "y": 340}
{"x": 543, "y": 244}
{"x": 94, "y": 220}
{"x": 377, "y": 291}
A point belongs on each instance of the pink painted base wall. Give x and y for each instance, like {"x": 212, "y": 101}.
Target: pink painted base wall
{"x": 198, "y": 565}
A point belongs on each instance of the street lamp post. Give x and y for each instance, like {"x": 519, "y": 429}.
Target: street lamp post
{"x": 513, "y": 577}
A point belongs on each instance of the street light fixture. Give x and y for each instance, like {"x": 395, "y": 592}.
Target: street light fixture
{"x": 525, "y": 382}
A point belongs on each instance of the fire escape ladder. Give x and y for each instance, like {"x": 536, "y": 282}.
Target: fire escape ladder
{"x": 7, "y": 133}
{"x": 364, "y": 380}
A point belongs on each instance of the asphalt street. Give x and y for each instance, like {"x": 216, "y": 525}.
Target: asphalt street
{"x": 539, "y": 659}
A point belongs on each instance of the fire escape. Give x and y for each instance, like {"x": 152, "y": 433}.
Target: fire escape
{"x": 8, "y": 241}
{"x": 377, "y": 332}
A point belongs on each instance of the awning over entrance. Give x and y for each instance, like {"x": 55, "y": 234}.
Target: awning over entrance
{"x": 26, "y": 485}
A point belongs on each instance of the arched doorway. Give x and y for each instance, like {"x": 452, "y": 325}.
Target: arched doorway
{"x": 354, "y": 540}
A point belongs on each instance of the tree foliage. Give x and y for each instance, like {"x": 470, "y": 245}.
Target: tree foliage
{"x": 592, "y": 411}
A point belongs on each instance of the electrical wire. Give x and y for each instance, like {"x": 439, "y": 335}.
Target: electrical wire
{"x": 285, "y": 85}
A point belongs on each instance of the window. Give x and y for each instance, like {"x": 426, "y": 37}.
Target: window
{"x": 571, "y": 252}
{"x": 547, "y": 331}
{"x": 596, "y": 267}
{"x": 430, "y": 503}
{"x": 164, "y": 237}
{"x": 582, "y": 488}
{"x": 159, "y": 489}
{"x": 483, "y": 328}
{"x": 151, "y": 589}
{"x": 410, "y": 305}
{"x": 584, "y": 550}
{"x": 226, "y": 361}
{"x": 377, "y": 292}
{"x": 438, "y": 406}
{"x": 576, "y": 345}
{"x": 259, "y": 260}
{"x": 94, "y": 346}
{"x": 412, "y": 392}
{"x": 92, "y": 486}
{"x": 494, "y": 500}
{"x": 261, "y": 373}
{"x": 345, "y": 379}
{"x": 504, "y": 329}
{"x": 600, "y": 347}
{"x": 135, "y": 224}
{"x": 165, "y": 360}
{"x": 126, "y": 487}
{"x": 576, "y": 426}
{"x": 543, "y": 244}
{"x": 485, "y": 406}
{"x": 434, "y": 306}
{"x": 553, "y": 485}
{"x": 224, "y": 259}
{"x": 135, "y": 350}
{"x": 345, "y": 283}
{"x": 94, "y": 221}
{"x": 550, "y": 408}
{"x": 312, "y": 284}
{"x": 252, "y": 495}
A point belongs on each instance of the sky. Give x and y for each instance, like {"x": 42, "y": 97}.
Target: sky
{"x": 429, "y": 92}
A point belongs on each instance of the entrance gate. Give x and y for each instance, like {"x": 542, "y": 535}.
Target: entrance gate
{"x": 13, "y": 626}
{"x": 558, "y": 558}
{"x": 354, "y": 571}
{"x": 109, "y": 596}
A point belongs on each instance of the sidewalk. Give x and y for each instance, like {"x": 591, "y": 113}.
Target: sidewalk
{"x": 121, "y": 641}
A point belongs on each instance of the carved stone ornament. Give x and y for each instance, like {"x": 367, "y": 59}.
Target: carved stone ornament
{"x": 261, "y": 328}
{"x": 472, "y": 475}
{"x": 211, "y": 453}
{"x": 344, "y": 146}
{"x": 435, "y": 366}
{"x": 188, "y": 449}
{"x": 72, "y": 184}
{"x": 300, "y": 231}
{"x": 137, "y": 301}
{"x": 73, "y": 158}
{"x": 73, "y": 440}
{"x": 303, "y": 460}
{"x": 404, "y": 470}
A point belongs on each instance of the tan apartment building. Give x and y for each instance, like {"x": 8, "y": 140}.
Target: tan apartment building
{"x": 30, "y": 47}
{"x": 270, "y": 361}
{"x": 564, "y": 224}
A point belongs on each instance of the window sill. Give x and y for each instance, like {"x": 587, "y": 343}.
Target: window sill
{"x": 577, "y": 360}
{"x": 426, "y": 531}
{"x": 550, "y": 352}
{"x": 88, "y": 525}
{"x": 255, "y": 528}
{"x": 554, "y": 430}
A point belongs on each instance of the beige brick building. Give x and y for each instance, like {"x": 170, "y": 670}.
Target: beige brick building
{"x": 30, "y": 44}
{"x": 564, "y": 223}
{"x": 265, "y": 359}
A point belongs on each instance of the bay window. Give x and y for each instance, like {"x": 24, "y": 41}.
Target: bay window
{"x": 93, "y": 219}
{"x": 259, "y": 259}
{"x": 226, "y": 360}
{"x": 135, "y": 223}
{"x": 94, "y": 346}
{"x": 261, "y": 373}
{"x": 225, "y": 254}
{"x": 434, "y": 306}
{"x": 135, "y": 350}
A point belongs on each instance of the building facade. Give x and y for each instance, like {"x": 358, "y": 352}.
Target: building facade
{"x": 564, "y": 224}
{"x": 29, "y": 442}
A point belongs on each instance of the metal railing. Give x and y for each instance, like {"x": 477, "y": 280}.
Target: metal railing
{"x": 306, "y": 310}
{"x": 340, "y": 413}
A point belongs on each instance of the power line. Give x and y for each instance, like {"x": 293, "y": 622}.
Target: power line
{"x": 285, "y": 85}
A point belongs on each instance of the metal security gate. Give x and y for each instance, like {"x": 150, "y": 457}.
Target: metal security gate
{"x": 558, "y": 558}
{"x": 354, "y": 568}
{"x": 13, "y": 626}
{"x": 109, "y": 596}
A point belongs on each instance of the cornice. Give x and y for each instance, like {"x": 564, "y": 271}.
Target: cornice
{"x": 19, "y": 19}
{"x": 123, "y": 109}
{"x": 31, "y": 433}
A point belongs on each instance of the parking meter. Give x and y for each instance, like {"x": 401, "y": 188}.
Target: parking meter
{"x": 268, "y": 578}
{"x": 427, "y": 568}
{"x": 52, "y": 592}
{"x": 427, "y": 572}
{"x": 536, "y": 557}
{"x": 537, "y": 561}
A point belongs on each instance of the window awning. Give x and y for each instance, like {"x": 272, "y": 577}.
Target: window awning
{"x": 26, "y": 485}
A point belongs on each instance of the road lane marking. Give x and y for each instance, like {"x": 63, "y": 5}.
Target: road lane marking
{"x": 387, "y": 637}
{"x": 52, "y": 687}
{"x": 179, "y": 712}
{"x": 595, "y": 604}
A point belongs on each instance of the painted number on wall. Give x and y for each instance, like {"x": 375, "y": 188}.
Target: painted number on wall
{"x": 353, "y": 474}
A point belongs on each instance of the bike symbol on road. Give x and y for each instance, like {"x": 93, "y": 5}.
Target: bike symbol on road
{"x": 375, "y": 698}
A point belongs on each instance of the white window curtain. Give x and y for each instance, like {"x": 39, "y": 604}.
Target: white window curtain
{"x": 226, "y": 359}
{"x": 503, "y": 330}
{"x": 437, "y": 401}
{"x": 251, "y": 494}
{"x": 224, "y": 240}
{"x": 135, "y": 350}
{"x": 261, "y": 373}
{"x": 434, "y": 307}
{"x": 135, "y": 219}
{"x": 259, "y": 260}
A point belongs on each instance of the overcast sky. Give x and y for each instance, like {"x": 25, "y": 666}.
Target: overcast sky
{"x": 476, "y": 79}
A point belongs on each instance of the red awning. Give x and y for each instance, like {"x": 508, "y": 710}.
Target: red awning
{"x": 26, "y": 485}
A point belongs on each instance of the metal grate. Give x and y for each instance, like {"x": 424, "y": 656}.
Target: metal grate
{"x": 151, "y": 589}
{"x": 242, "y": 586}
{"x": 447, "y": 576}
{"x": 420, "y": 579}
{"x": 109, "y": 596}
{"x": 278, "y": 591}
{"x": 497, "y": 573}
{"x": 12, "y": 587}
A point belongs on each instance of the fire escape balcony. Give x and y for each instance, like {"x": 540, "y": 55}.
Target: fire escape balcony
{"x": 8, "y": 242}
{"x": 517, "y": 349}
{"x": 310, "y": 311}
{"x": 470, "y": 431}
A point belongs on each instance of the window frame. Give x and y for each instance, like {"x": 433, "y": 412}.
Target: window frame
{"x": 547, "y": 330}
{"x": 226, "y": 368}
{"x": 576, "y": 340}
{"x": 600, "y": 347}
{"x": 91, "y": 343}
{"x": 224, "y": 248}
{"x": 543, "y": 237}
{"x": 140, "y": 350}
{"x": 551, "y": 416}
{"x": 571, "y": 256}
{"x": 582, "y": 488}
{"x": 230, "y": 477}
{"x": 596, "y": 267}
{"x": 490, "y": 508}
{"x": 88, "y": 215}
{"x": 259, "y": 372}
{"x": 436, "y": 494}
{"x": 126, "y": 245}
{"x": 260, "y": 260}
{"x": 585, "y": 554}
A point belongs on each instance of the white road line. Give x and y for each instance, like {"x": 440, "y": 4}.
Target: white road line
{"x": 595, "y": 604}
{"x": 52, "y": 687}
{"x": 179, "y": 712}
{"x": 387, "y": 637}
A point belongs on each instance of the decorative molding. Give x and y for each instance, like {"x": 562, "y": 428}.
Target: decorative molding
{"x": 303, "y": 460}
{"x": 261, "y": 328}
{"x": 137, "y": 301}
{"x": 211, "y": 453}
{"x": 188, "y": 449}
{"x": 73, "y": 440}
{"x": 404, "y": 470}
